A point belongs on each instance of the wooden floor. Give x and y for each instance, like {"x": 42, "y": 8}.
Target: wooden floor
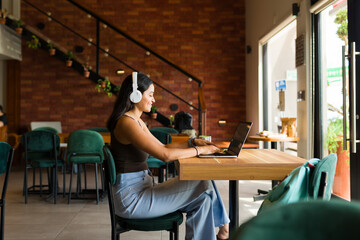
{"x": 84, "y": 219}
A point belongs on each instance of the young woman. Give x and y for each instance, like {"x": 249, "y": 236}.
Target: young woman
{"x": 135, "y": 194}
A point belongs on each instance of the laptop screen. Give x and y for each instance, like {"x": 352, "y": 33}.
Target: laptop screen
{"x": 239, "y": 137}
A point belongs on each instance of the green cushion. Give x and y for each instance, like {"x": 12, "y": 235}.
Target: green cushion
{"x": 152, "y": 224}
{"x": 4, "y": 153}
{"x": 313, "y": 220}
{"x": 154, "y": 162}
{"x": 327, "y": 164}
{"x": 111, "y": 165}
{"x": 85, "y": 142}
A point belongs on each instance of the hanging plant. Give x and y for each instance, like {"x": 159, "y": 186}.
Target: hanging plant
{"x": 34, "y": 43}
{"x": 52, "y": 50}
{"x": 104, "y": 85}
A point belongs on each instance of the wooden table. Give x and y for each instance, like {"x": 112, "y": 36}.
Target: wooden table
{"x": 273, "y": 140}
{"x": 252, "y": 164}
{"x": 64, "y": 137}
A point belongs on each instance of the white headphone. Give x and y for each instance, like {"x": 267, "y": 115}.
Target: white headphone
{"x": 136, "y": 95}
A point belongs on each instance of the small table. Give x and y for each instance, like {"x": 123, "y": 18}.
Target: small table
{"x": 252, "y": 164}
{"x": 274, "y": 140}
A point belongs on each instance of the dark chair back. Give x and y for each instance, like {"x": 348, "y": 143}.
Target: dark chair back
{"x": 49, "y": 129}
{"x": 6, "y": 158}
{"x": 313, "y": 220}
{"x": 85, "y": 146}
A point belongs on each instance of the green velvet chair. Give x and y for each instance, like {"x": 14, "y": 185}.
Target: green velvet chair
{"x": 312, "y": 180}
{"x": 165, "y": 138}
{"x": 6, "y": 158}
{"x": 85, "y": 147}
{"x": 169, "y": 222}
{"x": 41, "y": 151}
{"x": 313, "y": 220}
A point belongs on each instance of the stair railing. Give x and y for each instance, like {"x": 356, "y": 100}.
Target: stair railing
{"x": 201, "y": 100}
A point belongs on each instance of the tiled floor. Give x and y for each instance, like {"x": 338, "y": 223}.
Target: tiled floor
{"x": 84, "y": 219}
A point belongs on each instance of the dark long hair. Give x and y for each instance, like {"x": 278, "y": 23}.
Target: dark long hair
{"x": 123, "y": 103}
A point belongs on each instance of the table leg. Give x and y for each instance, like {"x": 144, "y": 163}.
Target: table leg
{"x": 233, "y": 205}
{"x": 274, "y": 145}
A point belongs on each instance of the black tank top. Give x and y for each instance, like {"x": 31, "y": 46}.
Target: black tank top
{"x": 127, "y": 157}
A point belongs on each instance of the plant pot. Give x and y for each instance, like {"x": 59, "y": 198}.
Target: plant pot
{"x": 68, "y": 63}
{"x": 2, "y": 20}
{"x": 86, "y": 74}
{"x": 103, "y": 84}
{"x": 19, "y": 30}
{"x": 172, "y": 126}
{"x": 341, "y": 185}
{"x": 153, "y": 115}
{"x": 52, "y": 51}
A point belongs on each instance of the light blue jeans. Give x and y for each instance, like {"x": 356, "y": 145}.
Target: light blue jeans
{"x": 136, "y": 196}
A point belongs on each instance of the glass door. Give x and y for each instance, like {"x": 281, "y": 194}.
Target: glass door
{"x": 332, "y": 35}
{"x": 335, "y": 92}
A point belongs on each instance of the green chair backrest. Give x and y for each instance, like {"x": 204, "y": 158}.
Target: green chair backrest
{"x": 327, "y": 164}
{"x": 49, "y": 129}
{"x": 40, "y": 141}
{"x": 312, "y": 220}
{"x": 99, "y": 129}
{"x": 166, "y": 129}
{"x": 162, "y": 136}
{"x": 110, "y": 164}
{"x": 4, "y": 155}
{"x": 85, "y": 146}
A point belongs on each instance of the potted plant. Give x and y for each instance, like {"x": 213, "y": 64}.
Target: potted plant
{"x": 86, "y": 68}
{"x": 171, "y": 119}
{"x": 153, "y": 112}
{"x": 70, "y": 57}
{"x": 334, "y": 143}
{"x": 52, "y": 50}
{"x": 104, "y": 85}
{"x": 19, "y": 28}
{"x": 3, "y": 15}
{"x": 34, "y": 43}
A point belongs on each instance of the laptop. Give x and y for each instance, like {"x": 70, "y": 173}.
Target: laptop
{"x": 236, "y": 144}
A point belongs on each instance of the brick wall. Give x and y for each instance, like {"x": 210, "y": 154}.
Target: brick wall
{"x": 206, "y": 38}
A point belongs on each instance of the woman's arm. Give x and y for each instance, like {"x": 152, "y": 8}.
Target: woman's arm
{"x": 129, "y": 131}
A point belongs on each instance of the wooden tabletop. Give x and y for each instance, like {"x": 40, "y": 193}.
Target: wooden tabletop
{"x": 273, "y": 139}
{"x": 64, "y": 137}
{"x": 252, "y": 164}
{"x": 225, "y": 144}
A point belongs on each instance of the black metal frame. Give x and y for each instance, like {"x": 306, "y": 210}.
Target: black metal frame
{"x": 78, "y": 187}
{"x": 3, "y": 194}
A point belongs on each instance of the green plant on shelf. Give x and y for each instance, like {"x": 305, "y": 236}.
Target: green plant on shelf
{"x": 19, "y": 23}
{"x": 70, "y": 55}
{"x": 104, "y": 85}
{"x": 171, "y": 118}
{"x": 153, "y": 109}
{"x": 34, "y": 43}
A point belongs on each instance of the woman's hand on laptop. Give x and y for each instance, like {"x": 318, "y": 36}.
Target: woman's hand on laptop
{"x": 202, "y": 142}
{"x": 209, "y": 149}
